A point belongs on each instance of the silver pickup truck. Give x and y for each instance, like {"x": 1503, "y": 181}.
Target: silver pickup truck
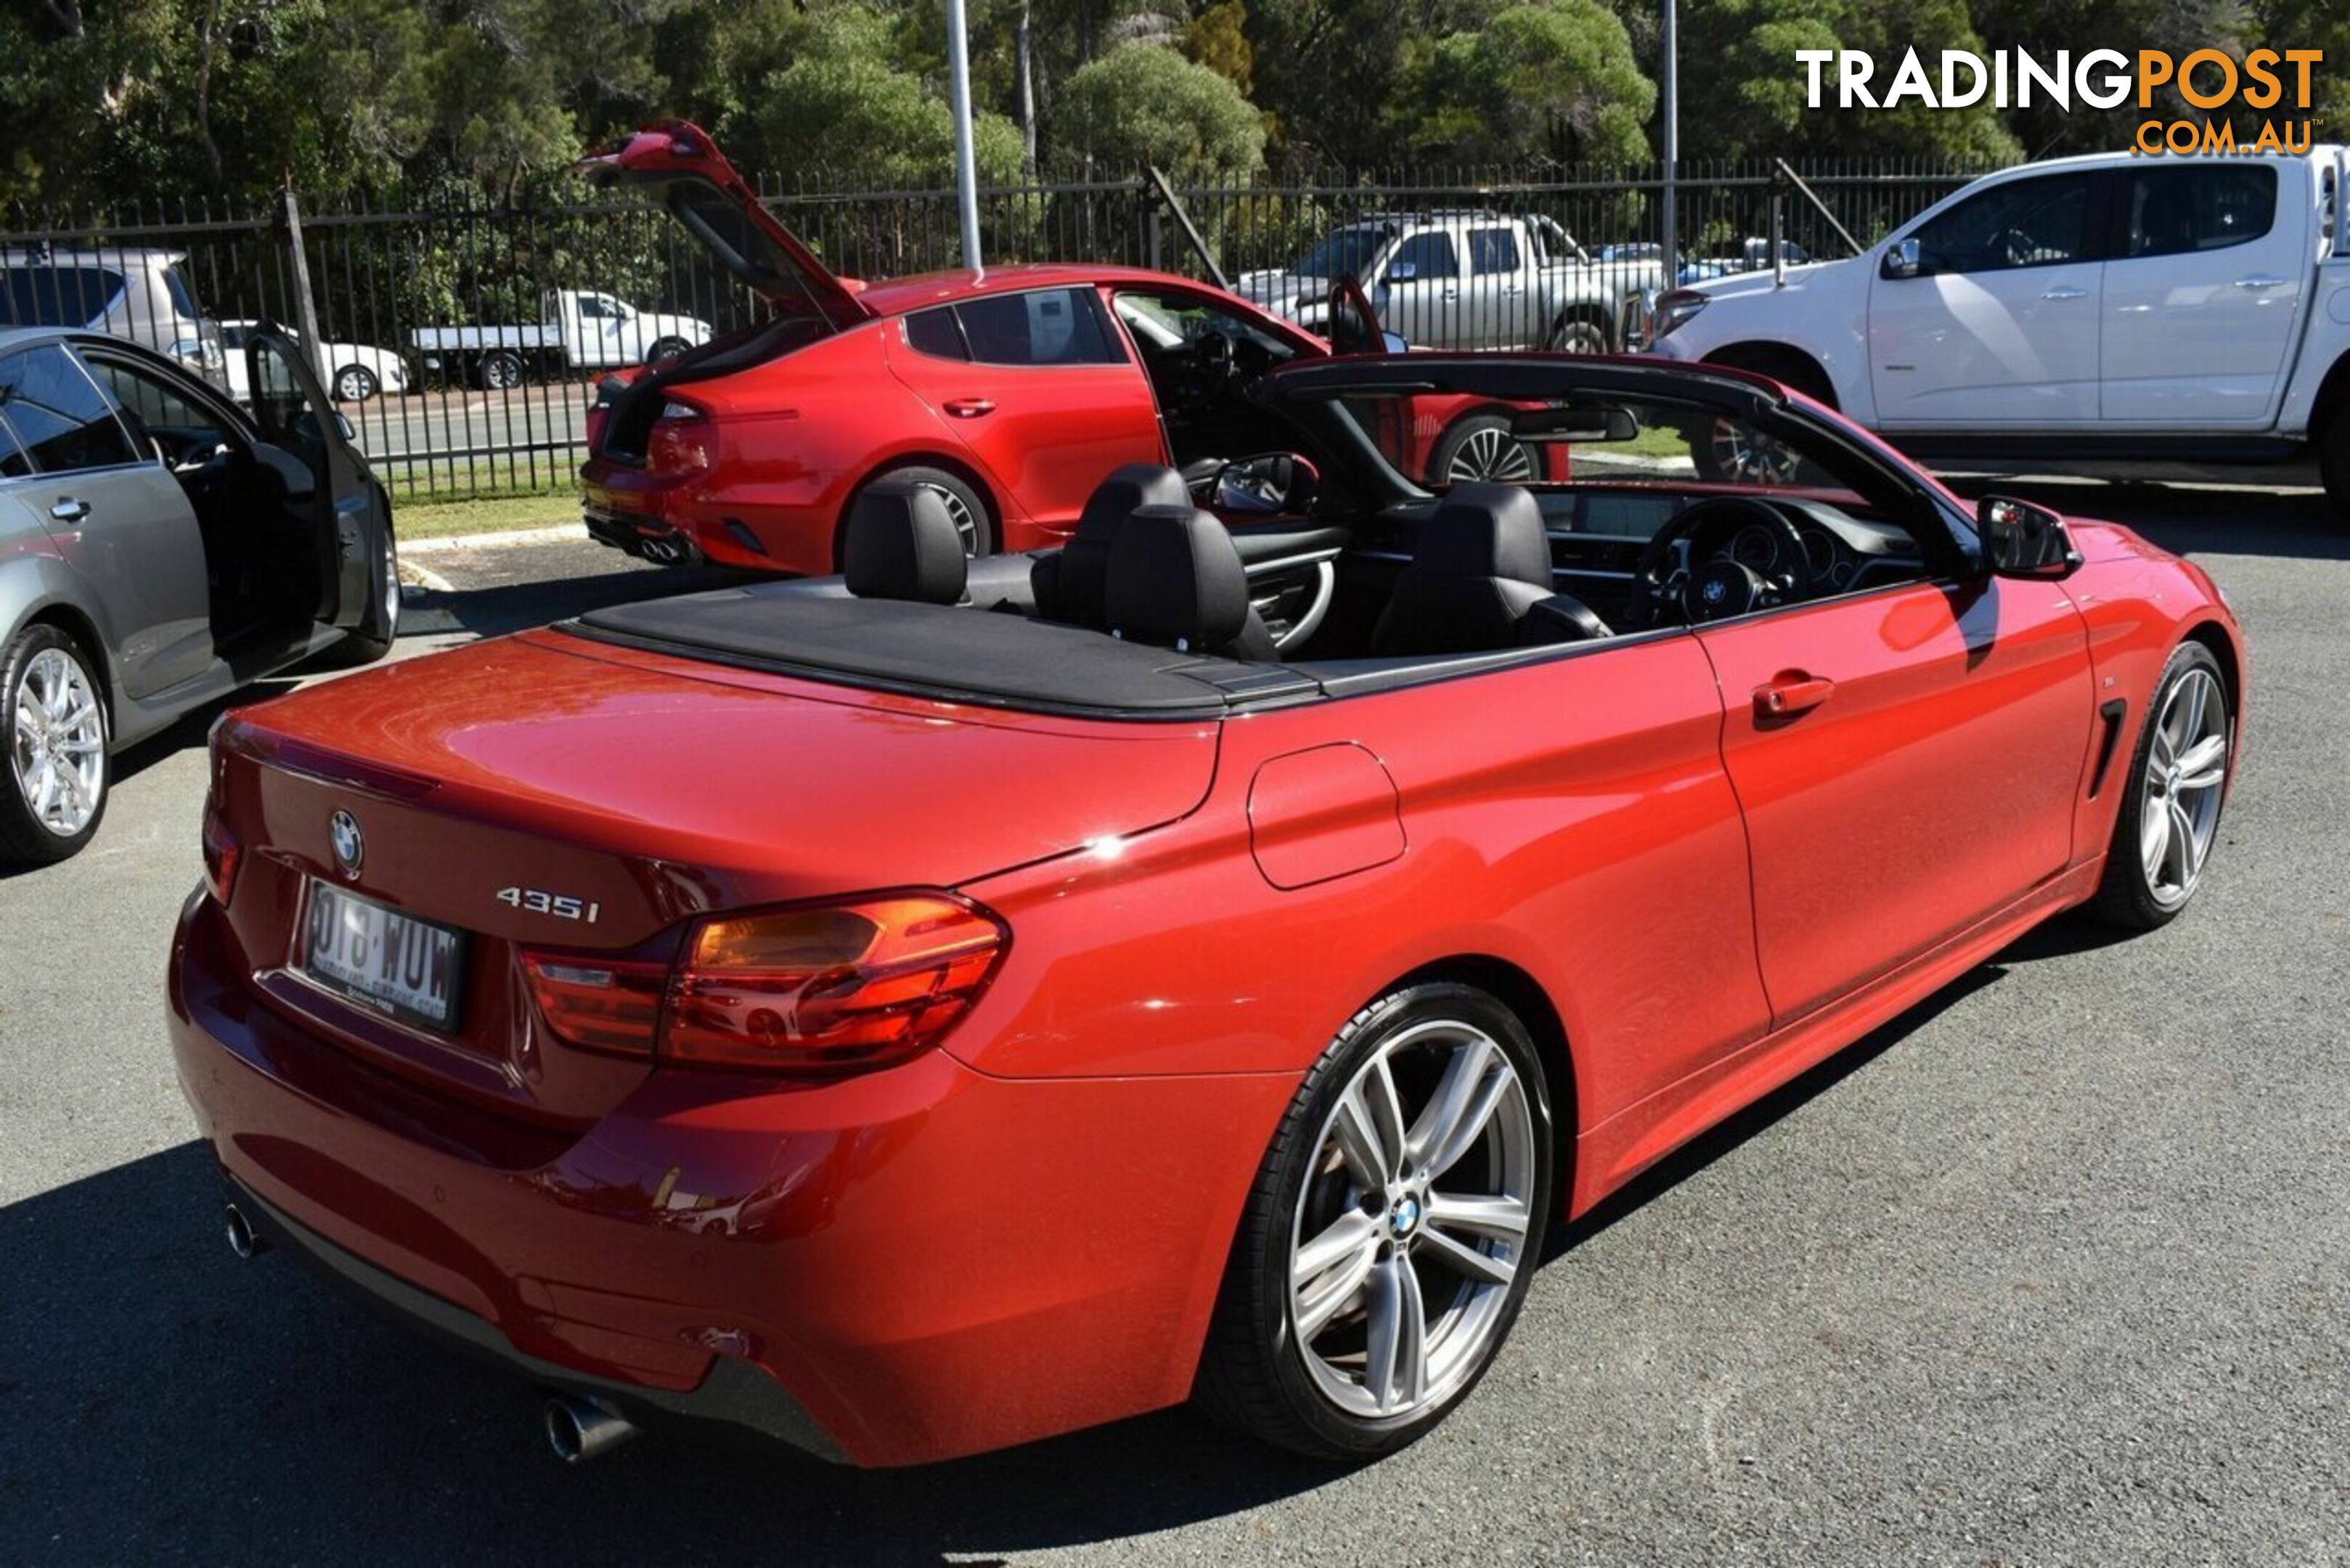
{"x": 1464, "y": 280}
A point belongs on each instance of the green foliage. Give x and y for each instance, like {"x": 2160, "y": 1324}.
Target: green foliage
{"x": 1553, "y": 80}
{"x": 1142, "y": 103}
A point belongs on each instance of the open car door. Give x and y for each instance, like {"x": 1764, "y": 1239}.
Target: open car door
{"x": 328, "y": 487}
{"x": 682, "y": 165}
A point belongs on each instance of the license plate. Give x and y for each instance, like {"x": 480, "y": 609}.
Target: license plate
{"x": 380, "y": 958}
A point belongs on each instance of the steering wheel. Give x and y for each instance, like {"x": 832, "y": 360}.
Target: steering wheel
{"x": 1716, "y": 586}
{"x": 1214, "y": 352}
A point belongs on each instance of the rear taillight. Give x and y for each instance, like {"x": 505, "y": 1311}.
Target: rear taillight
{"x": 220, "y": 853}
{"x": 836, "y": 989}
{"x": 829, "y": 990}
{"x": 685, "y": 441}
{"x": 220, "y": 844}
{"x": 597, "y": 1005}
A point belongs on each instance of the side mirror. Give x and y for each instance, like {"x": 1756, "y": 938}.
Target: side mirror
{"x": 1263, "y": 485}
{"x": 1393, "y": 343}
{"x": 1403, "y": 272}
{"x": 2021, "y": 540}
{"x": 1901, "y": 260}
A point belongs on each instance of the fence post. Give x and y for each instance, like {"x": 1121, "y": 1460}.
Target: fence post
{"x": 305, "y": 305}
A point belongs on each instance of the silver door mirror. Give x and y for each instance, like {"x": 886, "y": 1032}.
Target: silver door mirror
{"x": 1901, "y": 259}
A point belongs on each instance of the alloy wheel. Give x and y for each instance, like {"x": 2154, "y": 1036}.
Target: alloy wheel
{"x": 1746, "y": 456}
{"x": 1413, "y": 1222}
{"x": 58, "y": 749}
{"x": 391, "y": 599}
{"x": 2186, "y": 764}
{"x": 959, "y": 510}
{"x": 1490, "y": 453}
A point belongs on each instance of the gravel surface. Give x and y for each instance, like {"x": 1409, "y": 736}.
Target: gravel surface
{"x": 2055, "y": 1268}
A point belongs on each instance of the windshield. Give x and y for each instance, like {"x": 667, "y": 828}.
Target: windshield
{"x": 1348, "y": 253}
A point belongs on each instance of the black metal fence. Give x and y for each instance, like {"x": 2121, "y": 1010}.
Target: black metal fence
{"x": 463, "y": 341}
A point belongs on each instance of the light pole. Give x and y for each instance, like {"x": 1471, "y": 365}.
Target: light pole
{"x": 1672, "y": 138}
{"x": 966, "y": 158}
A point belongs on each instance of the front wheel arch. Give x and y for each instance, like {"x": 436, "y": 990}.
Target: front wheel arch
{"x": 1782, "y": 362}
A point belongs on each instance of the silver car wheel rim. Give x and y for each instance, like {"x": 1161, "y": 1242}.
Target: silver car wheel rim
{"x": 353, "y": 387}
{"x": 1750, "y": 458}
{"x": 1413, "y": 1222}
{"x": 1491, "y": 454}
{"x": 959, "y": 510}
{"x": 390, "y": 585}
{"x": 2186, "y": 764}
{"x": 58, "y": 747}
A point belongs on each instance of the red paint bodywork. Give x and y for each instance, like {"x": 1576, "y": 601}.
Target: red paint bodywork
{"x": 799, "y": 435}
{"x": 1023, "y": 1231}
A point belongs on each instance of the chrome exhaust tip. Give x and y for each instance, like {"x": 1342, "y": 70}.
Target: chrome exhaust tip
{"x": 242, "y": 1238}
{"x": 578, "y": 1430}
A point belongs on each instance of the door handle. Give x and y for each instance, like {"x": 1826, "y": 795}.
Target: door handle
{"x": 1785, "y": 696}
{"x": 70, "y": 510}
{"x": 969, "y": 408}
{"x": 2065, "y": 291}
{"x": 2262, "y": 281}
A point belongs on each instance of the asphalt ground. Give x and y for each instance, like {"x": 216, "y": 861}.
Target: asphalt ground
{"x": 2053, "y": 1269}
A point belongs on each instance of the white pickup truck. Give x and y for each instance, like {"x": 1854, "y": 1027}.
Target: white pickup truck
{"x": 577, "y": 329}
{"x": 1464, "y": 280}
{"x": 2162, "y": 317}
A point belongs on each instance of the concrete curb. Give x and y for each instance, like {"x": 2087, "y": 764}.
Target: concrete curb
{"x": 496, "y": 539}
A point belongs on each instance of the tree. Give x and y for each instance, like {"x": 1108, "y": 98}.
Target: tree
{"x": 844, "y": 108}
{"x": 1553, "y": 81}
{"x": 1144, "y": 103}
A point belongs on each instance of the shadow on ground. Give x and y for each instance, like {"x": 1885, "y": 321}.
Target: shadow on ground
{"x": 159, "y": 1398}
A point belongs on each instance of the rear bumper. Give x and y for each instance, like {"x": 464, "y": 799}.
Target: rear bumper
{"x": 733, "y": 1392}
{"x": 892, "y": 1269}
{"x": 625, "y": 506}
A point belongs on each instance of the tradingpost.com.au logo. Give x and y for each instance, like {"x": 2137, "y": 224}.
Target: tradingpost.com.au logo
{"x": 2209, "y": 79}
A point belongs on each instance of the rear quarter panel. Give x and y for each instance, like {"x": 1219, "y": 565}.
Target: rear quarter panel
{"x": 1568, "y": 817}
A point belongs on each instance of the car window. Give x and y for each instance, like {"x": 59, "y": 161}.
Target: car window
{"x": 13, "y": 464}
{"x": 2024, "y": 223}
{"x": 1494, "y": 250}
{"x": 1426, "y": 255}
{"x": 57, "y": 295}
{"x": 62, "y": 420}
{"x": 183, "y": 299}
{"x": 590, "y": 307}
{"x": 1160, "y": 322}
{"x": 2192, "y": 208}
{"x": 1057, "y": 327}
{"x": 934, "y": 332}
{"x": 151, "y": 406}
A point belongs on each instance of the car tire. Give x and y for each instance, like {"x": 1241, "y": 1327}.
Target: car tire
{"x": 355, "y": 384}
{"x": 1576, "y": 338}
{"x": 501, "y": 370}
{"x": 1480, "y": 447}
{"x": 2172, "y": 795}
{"x": 2333, "y": 459}
{"x": 42, "y": 667}
{"x": 372, "y": 640}
{"x": 1385, "y": 1254}
{"x": 965, "y": 504}
{"x": 665, "y": 349}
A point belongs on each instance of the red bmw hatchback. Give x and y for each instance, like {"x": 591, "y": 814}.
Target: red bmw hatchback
{"x": 1008, "y": 392}
{"x": 929, "y": 1008}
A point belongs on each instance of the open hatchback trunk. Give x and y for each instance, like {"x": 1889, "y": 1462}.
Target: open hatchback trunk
{"x": 683, "y": 168}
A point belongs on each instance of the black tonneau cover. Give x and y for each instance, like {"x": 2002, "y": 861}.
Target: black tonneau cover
{"x": 959, "y": 655}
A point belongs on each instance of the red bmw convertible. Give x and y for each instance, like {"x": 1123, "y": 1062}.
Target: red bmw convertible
{"x": 1008, "y": 392}
{"x": 927, "y": 1009}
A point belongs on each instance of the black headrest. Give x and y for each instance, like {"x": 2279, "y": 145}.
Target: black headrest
{"x": 901, "y": 544}
{"x": 1486, "y": 531}
{"x": 1083, "y": 571}
{"x": 1176, "y": 580}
